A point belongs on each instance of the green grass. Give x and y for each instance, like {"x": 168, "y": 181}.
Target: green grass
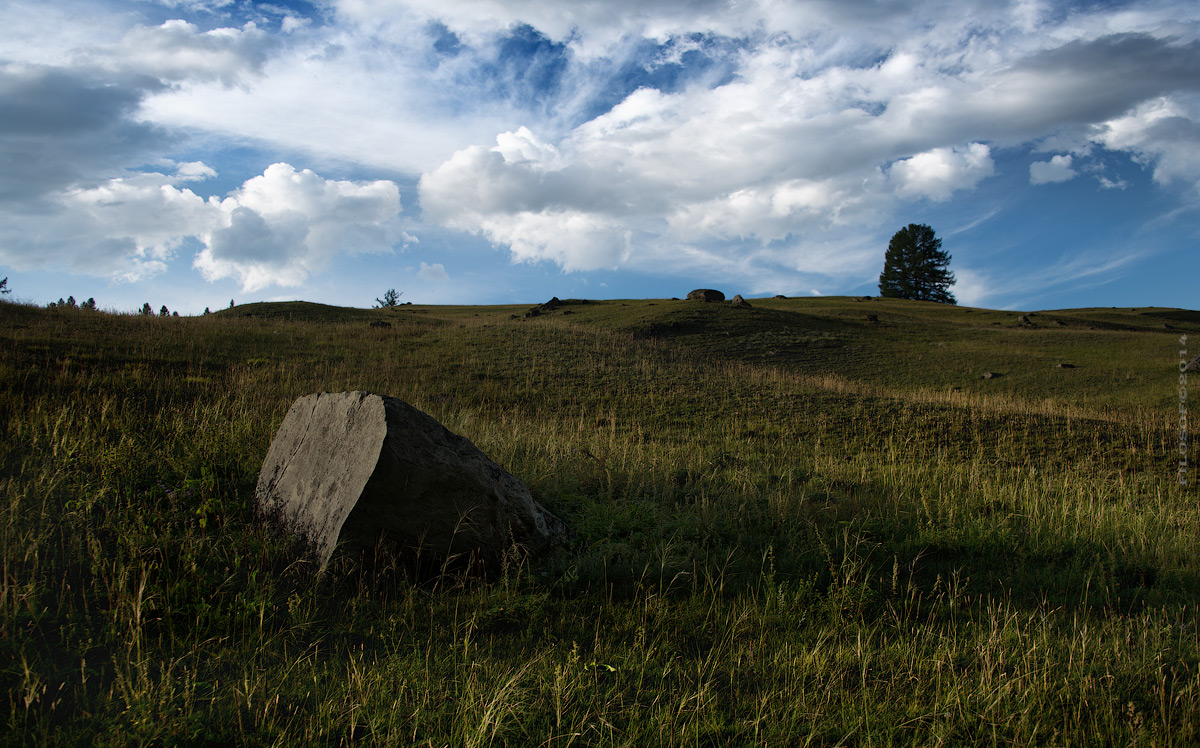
{"x": 790, "y": 526}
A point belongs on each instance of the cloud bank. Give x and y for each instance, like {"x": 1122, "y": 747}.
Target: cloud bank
{"x": 65, "y": 129}
{"x": 279, "y": 228}
{"x": 760, "y": 140}
{"x": 779, "y": 155}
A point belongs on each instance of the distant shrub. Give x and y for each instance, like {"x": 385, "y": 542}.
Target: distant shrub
{"x": 390, "y": 298}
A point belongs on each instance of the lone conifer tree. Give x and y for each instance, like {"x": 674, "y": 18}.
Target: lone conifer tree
{"x": 916, "y": 267}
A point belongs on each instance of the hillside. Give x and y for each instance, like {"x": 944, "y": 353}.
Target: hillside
{"x": 811, "y": 521}
{"x": 1116, "y": 356}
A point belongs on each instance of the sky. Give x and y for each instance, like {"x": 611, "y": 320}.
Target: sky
{"x": 189, "y": 153}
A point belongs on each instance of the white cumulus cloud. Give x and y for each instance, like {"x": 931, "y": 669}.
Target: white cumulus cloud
{"x": 278, "y": 228}
{"x": 1163, "y": 133}
{"x": 147, "y": 215}
{"x": 285, "y": 225}
{"x": 178, "y": 50}
{"x": 435, "y": 273}
{"x": 1057, "y": 169}
{"x": 937, "y": 173}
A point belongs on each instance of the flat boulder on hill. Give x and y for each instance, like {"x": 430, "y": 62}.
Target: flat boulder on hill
{"x": 349, "y": 470}
{"x": 705, "y": 294}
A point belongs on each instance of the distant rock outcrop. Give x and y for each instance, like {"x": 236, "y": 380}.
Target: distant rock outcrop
{"x": 553, "y": 304}
{"x": 989, "y": 375}
{"x": 540, "y": 309}
{"x": 351, "y": 470}
{"x": 705, "y": 294}
{"x": 739, "y": 303}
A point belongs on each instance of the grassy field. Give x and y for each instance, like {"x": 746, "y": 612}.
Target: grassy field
{"x": 811, "y": 522}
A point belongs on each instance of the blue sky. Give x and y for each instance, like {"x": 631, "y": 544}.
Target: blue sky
{"x": 189, "y": 152}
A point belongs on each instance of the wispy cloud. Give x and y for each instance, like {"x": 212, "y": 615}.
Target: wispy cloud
{"x": 975, "y": 223}
{"x": 1078, "y": 270}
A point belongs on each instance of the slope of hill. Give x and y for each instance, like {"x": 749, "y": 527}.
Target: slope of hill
{"x": 790, "y": 524}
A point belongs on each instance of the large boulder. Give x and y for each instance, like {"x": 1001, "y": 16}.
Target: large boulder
{"x": 705, "y": 294}
{"x": 349, "y": 470}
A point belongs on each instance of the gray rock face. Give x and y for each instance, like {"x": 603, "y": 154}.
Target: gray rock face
{"x": 351, "y": 469}
{"x": 738, "y": 302}
{"x": 705, "y": 294}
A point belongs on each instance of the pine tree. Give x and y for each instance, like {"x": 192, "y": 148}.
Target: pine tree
{"x": 916, "y": 266}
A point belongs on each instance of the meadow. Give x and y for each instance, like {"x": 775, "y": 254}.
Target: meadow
{"x": 808, "y": 523}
